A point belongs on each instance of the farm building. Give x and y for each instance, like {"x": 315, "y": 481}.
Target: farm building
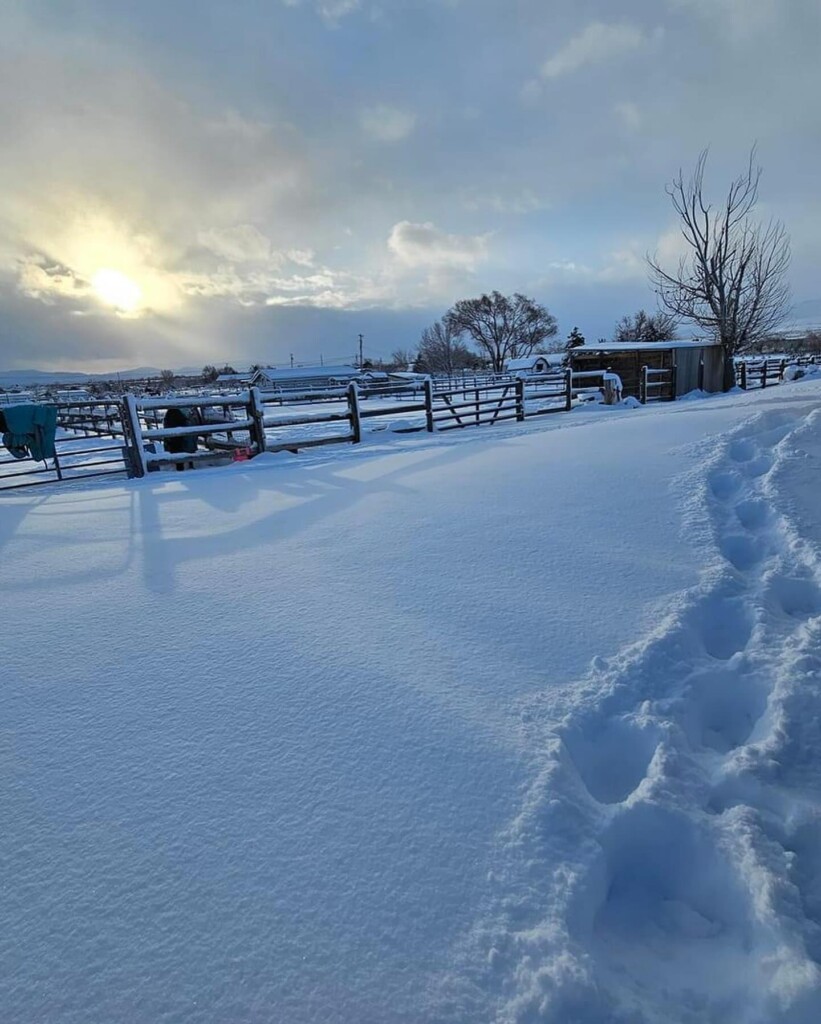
{"x": 697, "y": 365}
{"x": 237, "y": 380}
{"x": 537, "y": 363}
{"x": 304, "y": 377}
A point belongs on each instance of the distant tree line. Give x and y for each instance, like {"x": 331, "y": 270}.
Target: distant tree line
{"x": 210, "y": 373}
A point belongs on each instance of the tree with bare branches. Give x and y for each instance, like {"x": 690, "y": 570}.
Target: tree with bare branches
{"x": 441, "y": 350}
{"x": 402, "y": 358}
{"x": 643, "y": 326}
{"x": 732, "y": 280}
{"x": 504, "y": 327}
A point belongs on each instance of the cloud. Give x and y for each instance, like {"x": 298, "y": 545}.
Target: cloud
{"x": 387, "y": 124}
{"x": 595, "y": 43}
{"x": 40, "y": 278}
{"x": 330, "y": 11}
{"x": 516, "y": 201}
{"x": 423, "y": 245}
{"x": 739, "y": 19}
{"x": 240, "y": 244}
{"x": 333, "y": 10}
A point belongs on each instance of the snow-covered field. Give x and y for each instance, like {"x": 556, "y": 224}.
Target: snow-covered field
{"x": 519, "y": 723}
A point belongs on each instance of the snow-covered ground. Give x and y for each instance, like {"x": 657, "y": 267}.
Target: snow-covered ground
{"x": 518, "y": 723}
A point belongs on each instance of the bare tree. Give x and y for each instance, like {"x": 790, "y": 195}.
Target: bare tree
{"x": 402, "y": 358}
{"x": 731, "y": 283}
{"x": 167, "y": 378}
{"x": 643, "y": 326}
{"x": 441, "y": 350}
{"x": 504, "y": 327}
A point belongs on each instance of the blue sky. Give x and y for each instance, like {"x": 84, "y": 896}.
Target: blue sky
{"x": 188, "y": 182}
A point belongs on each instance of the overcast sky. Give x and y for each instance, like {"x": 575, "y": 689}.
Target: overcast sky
{"x": 183, "y": 182}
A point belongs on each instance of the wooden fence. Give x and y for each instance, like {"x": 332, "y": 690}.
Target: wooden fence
{"x": 138, "y": 436}
{"x": 657, "y": 385}
{"x": 760, "y": 373}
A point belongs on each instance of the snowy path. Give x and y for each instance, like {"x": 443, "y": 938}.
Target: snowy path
{"x": 666, "y": 862}
{"x": 321, "y": 739}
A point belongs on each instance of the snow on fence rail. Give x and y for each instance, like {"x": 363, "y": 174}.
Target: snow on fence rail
{"x": 760, "y": 373}
{"x": 138, "y": 436}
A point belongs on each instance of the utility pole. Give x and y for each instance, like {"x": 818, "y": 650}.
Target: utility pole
{"x": 292, "y": 360}
{"x": 360, "y": 351}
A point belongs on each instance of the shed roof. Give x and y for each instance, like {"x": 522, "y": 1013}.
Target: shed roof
{"x": 640, "y": 346}
{"x": 528, "y": 362}
{"x": 234, "y": 378}
{"x": 304, "y": 372}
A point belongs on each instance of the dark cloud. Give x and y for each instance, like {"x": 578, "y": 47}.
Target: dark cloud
{"x": 298, "y": 167}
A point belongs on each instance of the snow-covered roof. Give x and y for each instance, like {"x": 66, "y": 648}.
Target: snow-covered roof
{"x": 527, "y": 362}
{"x": 303, "y": 372}
{"x": 639, "y": 346}
{"x": 234, "y": 378}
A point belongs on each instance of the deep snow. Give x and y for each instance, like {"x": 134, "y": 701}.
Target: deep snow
{"x": 519, "y": 724}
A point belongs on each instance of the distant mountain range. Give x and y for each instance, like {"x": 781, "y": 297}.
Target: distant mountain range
{"x": 23, "y": 378}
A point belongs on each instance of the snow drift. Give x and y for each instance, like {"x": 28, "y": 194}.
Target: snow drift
{"x": 518, "y": 725}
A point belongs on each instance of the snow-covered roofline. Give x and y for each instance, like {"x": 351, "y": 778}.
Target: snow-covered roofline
{"x": 640, "y": 346}
{"x": 301, "y": 372}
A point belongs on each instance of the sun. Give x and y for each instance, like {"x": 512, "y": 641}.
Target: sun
{"x": 117, "y": 289}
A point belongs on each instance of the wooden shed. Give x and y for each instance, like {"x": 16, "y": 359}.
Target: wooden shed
{"x": 697, "y": 365}
{"x": 304, "y": 378}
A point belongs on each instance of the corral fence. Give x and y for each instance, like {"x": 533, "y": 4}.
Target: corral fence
{"x": 657, "y": 385}
{"x": 132, "y": 436}
{"x": 761, "y": 373}
{"x": 90, "y": 443}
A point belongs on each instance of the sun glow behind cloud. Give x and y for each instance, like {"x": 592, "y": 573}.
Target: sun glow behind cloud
{"x": 117, "y": 290}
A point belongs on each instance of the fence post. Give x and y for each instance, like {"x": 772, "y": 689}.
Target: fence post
{"x": 520, "y": 399}
{"x": 256, "y": 412}
{"x": 764, "y": 369}
{"x": 701, "y": 372}
{"x": 743, "y": 376}
{"x": 643, "y": 386}
{"x": 133, "y": 436}
{"x": 568, "y": 389}
{"x": 429, "y": 405}
{"x": 353, "y": 406}
{"x": 673, "y": 376}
